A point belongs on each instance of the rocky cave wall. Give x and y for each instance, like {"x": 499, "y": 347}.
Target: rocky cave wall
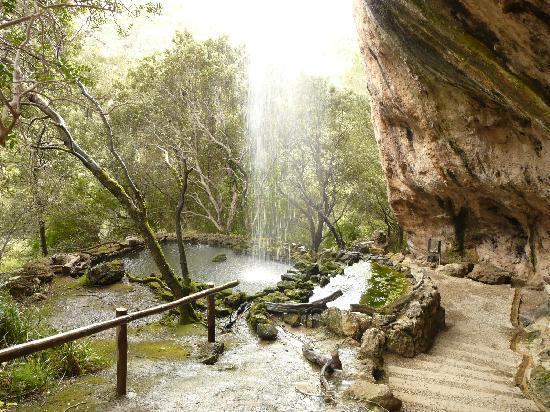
{"x": 460, "y": 95}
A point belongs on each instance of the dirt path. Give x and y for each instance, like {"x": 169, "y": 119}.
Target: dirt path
{"x": 471, "y": 366}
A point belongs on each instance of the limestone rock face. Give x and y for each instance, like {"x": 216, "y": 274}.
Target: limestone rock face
{"x": 460, "y": 100}
{"x": 458, "y": 270}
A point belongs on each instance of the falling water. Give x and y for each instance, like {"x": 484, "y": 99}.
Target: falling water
{"x": 285, "y": 41}
{"x": 269, "y": 108}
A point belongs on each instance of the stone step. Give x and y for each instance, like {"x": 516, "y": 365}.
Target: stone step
{"x": 463, "y": 363}
{"x": 494, "y": 362}
{"x": 480, "y": 348}
{"x": 420, "y": 403}
{"x": 464, "y": 370}
{"x": 447, "y": 378}
{"x": 475, "y": 397}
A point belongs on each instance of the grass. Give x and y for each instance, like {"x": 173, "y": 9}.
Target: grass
{"x": 23, "y": 377}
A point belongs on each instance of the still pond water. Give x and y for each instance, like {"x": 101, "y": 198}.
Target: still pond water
{"x": 254, "y": 274}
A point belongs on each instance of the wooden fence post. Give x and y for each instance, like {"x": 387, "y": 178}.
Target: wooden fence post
{"x": 122, "y": 354}
{"x": 211, "y": 318}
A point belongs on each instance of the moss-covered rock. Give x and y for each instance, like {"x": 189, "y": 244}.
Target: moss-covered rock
{"x": 222, "y": 257}
{"x": 30, "y": 279}
{"x": 328, "y": 266}
{"x": 286, "y": 284}
{"x": 385, "y": 286}
{"x": 235, "y": 299}
{"x": 106, "y": 273}
{"x": 156, "y": 284}
{"x": 266, "y": 331}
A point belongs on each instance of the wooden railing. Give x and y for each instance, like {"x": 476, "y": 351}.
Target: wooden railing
{"x": 121, "y": 323}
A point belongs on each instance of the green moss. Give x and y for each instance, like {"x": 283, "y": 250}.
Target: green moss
{"x": 156, "y": 284}
{"x": 157, "y": 349}
{"x": 161, "y": 350}
{"x": 120, "y": 288}
{"x": 222, "y": 257}
{"x": 193, "y": 329}
{"x": 384, "y": 287}
{"x": 540, "y": 384}
{"x": 89, "y": 393}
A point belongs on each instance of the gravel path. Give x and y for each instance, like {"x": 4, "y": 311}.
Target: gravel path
{"x": 471, "y": 366}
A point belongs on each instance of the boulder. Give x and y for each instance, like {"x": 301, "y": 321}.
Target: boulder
{"x": 415, "y": 329}
{"x": 372, "y": 393}
{"x": 490, "y": 274}
{"x": 106, "y": 273}
{"x": 292, "y": 319}
{"x": 266, "y": 331}
{"x": 293, "y": 277}
{"x": 372, "y": 344}
{"x": 222, "y": 257}
{"x": 208, "y": 353}
{"x": 29, "y": 279}
{"x": 457, "y": 270}
{"x": 344, "y": 323}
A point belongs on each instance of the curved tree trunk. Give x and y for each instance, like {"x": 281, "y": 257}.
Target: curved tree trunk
{"x": 135, "y": 206}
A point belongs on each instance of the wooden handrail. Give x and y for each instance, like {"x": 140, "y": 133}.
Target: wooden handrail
{"x": 33, "y": 346}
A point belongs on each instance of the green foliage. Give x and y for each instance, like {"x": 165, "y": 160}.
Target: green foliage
{"x": 13, "y": 327}
{"x": 6, "y": 75}
{"x": 385, "y": 286}
{"x": 24, "y": 376}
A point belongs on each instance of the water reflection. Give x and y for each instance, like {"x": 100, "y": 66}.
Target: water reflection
{"x": 254, "y": 274}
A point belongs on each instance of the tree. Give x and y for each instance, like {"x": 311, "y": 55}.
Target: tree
{"x": 41, "y": 57}
{"x": 198, "y": 92}
{"x": 325, "y": 126}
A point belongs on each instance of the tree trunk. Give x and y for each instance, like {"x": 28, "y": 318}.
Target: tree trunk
{"x": 135, "y": 207}
{"x": 188, "y": 314}
{"x": 42, "y": 233}
{"x": 337, "y": 236}
{"x": 317, "y": 234}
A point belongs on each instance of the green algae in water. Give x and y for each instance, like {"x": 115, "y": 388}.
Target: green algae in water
{"x": 385, "y": 286}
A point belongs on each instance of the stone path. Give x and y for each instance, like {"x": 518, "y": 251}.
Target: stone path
{"x": 471, "y": 366}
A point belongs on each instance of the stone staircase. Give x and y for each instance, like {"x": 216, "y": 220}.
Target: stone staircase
{"x": 471, "y": 367}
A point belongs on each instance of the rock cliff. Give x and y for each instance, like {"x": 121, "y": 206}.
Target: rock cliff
{"x": 460, "y": 95}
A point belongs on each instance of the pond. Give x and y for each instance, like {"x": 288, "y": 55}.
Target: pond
{"x": 366, "y": 283}
{"x": 254, "y": 274}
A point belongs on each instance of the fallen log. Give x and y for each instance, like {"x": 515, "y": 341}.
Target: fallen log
{"x": 333, "y": 361}
{"x": 328, "y": 365}
{"x": 316, "y": 306}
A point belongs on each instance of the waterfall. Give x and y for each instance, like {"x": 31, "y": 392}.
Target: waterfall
{"x": 269, "y": 118}
{"x": 285, "y": 40}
